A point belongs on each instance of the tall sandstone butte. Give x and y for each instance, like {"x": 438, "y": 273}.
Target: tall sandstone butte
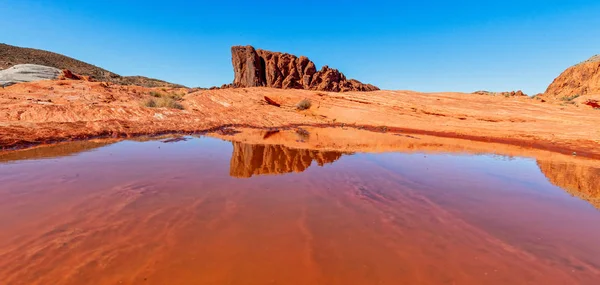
{"x": 580, "y": 79}
{"x": 254, "y": 68}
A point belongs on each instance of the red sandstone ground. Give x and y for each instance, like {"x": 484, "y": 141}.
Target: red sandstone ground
{"x": 51, "y": 111}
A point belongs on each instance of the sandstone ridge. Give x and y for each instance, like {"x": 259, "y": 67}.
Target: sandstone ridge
{"x": 12, "y": 55}
{"x": 580, "y": 79}
{"x": 255, "y": 68}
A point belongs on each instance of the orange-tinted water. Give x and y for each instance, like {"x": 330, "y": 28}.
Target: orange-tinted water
{"x": 204, "y": 211}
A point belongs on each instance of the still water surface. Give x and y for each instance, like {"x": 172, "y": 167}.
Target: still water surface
{"x": 206, "y": 211}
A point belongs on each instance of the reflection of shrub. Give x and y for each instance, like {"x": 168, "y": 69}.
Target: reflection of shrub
{"x": 303, "y": 105}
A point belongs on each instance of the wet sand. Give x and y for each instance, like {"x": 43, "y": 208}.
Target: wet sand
{"x": 203, "y": 211}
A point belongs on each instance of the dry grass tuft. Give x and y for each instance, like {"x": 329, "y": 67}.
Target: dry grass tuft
{"x": 304, "y": 105}
{"x": 163, "y": 102}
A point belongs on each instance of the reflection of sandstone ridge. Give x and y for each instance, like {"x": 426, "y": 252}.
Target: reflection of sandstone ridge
{"x": 248, "y": 159}
{"x": 254, "y": 68}
{"x": 579, "y": 180}
{"x": 54, "y": 151}
{"x": 580, "y": 79}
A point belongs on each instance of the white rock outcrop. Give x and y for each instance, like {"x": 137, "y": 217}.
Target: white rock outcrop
{"x": 27, "y": 73}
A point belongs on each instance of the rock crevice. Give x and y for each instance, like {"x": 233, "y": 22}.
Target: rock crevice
{"x": 255, "y": 68}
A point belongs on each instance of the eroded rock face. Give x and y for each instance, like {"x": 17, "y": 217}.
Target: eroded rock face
{"x": 248, "y": 160}
{"x": 255, "y": 68}
{"x": 580, "y": 79}
{"x": 67, "y": 74}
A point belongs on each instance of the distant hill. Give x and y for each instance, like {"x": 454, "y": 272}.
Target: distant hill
{"x": 13, "y": 55}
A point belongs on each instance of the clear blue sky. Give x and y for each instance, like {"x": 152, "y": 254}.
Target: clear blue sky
{"x": 418, "y": 45}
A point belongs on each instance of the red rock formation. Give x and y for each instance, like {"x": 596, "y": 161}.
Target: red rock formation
{"x": 67, "y": 74}
{"x": 254, "y": 68}
{"x": 271, "y": 102}
{"x": 580, "y": 79}
{"x": 517, "y": 93}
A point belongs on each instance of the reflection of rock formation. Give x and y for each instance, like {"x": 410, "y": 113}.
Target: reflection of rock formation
{"x": 248, "y": 159}
{"x": 579, "y": 180}
{"x": 54, "y": 151}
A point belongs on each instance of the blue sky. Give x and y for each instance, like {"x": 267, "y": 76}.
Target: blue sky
{"x": 417, "y": 45}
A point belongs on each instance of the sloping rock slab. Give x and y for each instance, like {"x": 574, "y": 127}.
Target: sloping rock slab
{"x": 27, "y": 73}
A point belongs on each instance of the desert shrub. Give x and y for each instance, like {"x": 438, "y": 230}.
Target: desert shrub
{"x": 168, "y": 102}
{"x": 569, "y": 98}
{"x": 176, "y": 96}
{"x": 150, "y": 103}
{"x": 156, "y": 94}
{"x": 163, "y": 102}
{"x": 304, "y": 105}
{"x": 303, "y": 135}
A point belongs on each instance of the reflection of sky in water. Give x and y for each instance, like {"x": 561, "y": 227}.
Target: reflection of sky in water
{"x": 205, "y": 147}
{"x": 406, "y": 201}
{"x": 514, "y": 169}
{"x": 474, "y": 178}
